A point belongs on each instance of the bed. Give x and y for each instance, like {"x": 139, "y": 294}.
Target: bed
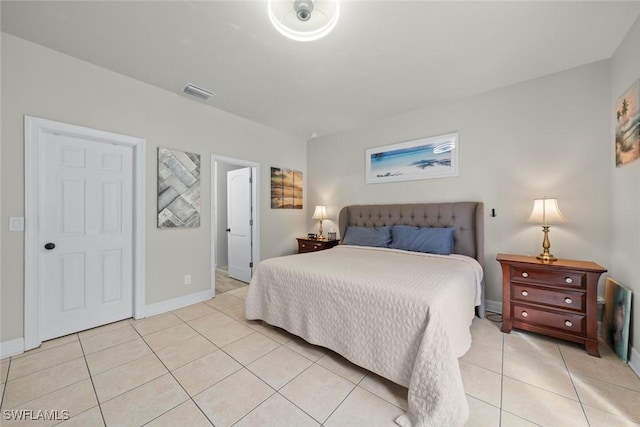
{"x": 403, "y": 315}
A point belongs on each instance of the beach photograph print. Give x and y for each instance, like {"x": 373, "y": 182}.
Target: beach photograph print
{"x": 628, "y": 126}
{"x": 178, "y": 189}
{"x": 433, "y": 157}
{"x": 286, "y": 189}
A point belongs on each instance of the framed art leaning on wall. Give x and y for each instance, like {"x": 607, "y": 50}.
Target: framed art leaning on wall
{"x": 432, "y": 157}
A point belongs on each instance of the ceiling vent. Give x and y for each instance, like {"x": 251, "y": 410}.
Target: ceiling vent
{"x": 198, "y": 92}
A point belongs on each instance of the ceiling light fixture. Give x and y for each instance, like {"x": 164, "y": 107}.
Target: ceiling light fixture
{"x": 196, "y": 91}
{"x": 304, "y": 20}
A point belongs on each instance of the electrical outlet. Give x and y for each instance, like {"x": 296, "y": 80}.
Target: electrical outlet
{"x": 187, "y": 279}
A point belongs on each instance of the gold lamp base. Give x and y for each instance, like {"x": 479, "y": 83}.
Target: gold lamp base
{"x": 546, "y": 255}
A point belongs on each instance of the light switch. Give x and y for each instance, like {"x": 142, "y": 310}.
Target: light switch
{"x": 16, "y": 223}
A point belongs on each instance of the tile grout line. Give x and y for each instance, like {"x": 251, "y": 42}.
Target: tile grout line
{"x": 241, "y": 364}
{"x": 339, "y": 404}
{"x": 173, "y": 376}
{"x": 575, "y": 389}
{"x": 4, "y": 385}
{"x": 50, "y": 392}
{"x": 292, "y": 379}
{"x": 42, "y": 369}
{"x": 95, "y": 392}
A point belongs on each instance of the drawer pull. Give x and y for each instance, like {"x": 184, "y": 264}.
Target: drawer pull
{"x": 568, "y": 300}
{"x": 568, "y": 323}
{"x": 525, "y": 293}
{"x": 525, "y": 274}
{"x": 316, "y": 246}
{"x": 304, "y": 246}
{"x": 568, "y": 280}
{"x": 525, "y": 314}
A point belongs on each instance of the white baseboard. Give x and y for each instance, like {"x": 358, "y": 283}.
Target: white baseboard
{"x": 634, "y": 361}
{"x": 11, "y": 348}
{"x": 172, "y": 304}
{"x": 494, "y": 306}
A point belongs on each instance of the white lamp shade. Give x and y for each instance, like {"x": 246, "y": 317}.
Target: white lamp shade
{"x": 546, "y": 211}
{"x": 320, "y": 213}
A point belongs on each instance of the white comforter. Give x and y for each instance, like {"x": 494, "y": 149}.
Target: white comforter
{"x": 403, "y": 315}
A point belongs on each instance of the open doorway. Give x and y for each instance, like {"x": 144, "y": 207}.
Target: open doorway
{"x": 235, "y": 219}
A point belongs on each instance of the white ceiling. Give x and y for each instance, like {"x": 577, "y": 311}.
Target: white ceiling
{"x": 382, "y": 59}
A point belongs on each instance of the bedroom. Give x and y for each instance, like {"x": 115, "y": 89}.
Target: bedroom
{"x": 548, "y": 135}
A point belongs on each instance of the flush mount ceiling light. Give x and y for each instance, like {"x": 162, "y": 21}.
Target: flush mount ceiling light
{"x": 304, "y": 20}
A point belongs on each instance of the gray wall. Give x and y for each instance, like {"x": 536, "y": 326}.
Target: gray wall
{"x": 625, "y": 185}
{"x": 40, "y": 82}
{"x": 544, "y": 137}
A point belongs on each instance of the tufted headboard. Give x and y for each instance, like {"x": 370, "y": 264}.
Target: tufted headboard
{"x": 466, "y": 217}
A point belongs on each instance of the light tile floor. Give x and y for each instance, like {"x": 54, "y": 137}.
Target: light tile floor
{"x": 206, "y": 364}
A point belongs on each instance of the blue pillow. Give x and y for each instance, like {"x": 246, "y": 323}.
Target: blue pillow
{"x": 368, "y": 236}
{"x": 430, "y": 240}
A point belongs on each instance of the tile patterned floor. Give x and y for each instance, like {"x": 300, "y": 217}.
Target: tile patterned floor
{"x": 206, "y": 365}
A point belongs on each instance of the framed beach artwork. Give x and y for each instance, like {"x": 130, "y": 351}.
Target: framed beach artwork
{"x": 616, "y": 317}
{"x": 432, "y": 157}
{"x": 628, "y": 126}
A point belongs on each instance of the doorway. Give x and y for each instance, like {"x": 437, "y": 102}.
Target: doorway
{"x": 84, "y": 229}
{"x": 227, "y": 172}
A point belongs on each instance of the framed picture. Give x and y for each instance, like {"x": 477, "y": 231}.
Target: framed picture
{"x": 286, "y": 189}
{"x": 178, "y": 189}
{"x": 616, "y": 317}
{"x": 433, "y": 157}
{"x": 628, "y": 126}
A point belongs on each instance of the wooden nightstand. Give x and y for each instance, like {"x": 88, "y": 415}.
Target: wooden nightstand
{"x": 314, "y": 245}
{"x": 557, "y": 298}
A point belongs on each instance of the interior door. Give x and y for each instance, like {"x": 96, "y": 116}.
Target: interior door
{"x": 239, "y": 223}
{"x": 85, "y": 233}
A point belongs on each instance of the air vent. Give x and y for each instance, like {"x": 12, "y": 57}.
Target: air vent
{"x": 198, "y": 92}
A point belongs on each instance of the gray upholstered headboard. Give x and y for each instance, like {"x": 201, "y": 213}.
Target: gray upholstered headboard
{"x": 466, "y": 217}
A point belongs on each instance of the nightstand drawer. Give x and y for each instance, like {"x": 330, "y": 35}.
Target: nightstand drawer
{"x": 550, "y": 277}
{"x": 558, "y": 297}
{"x": 566, "y": 322}
{"x": 313, "y": 245}
{"x": 309, "y": 246}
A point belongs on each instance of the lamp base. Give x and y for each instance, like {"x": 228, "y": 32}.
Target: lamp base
{"x": 546, "y": 257}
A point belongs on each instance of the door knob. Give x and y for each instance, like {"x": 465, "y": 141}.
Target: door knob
{"x": 228, "y": 230}
{"x": 49, "y": 246}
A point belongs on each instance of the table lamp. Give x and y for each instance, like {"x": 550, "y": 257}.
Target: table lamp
{"x": 320, "y": 213}
{"x": 545, "y": 212}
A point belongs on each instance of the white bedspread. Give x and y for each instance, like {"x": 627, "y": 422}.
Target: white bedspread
{"x": 403, "y": 315}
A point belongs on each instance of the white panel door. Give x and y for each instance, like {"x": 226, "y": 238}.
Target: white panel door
{"x": 239, "y": 223}
{"x": 86, "y": 241}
